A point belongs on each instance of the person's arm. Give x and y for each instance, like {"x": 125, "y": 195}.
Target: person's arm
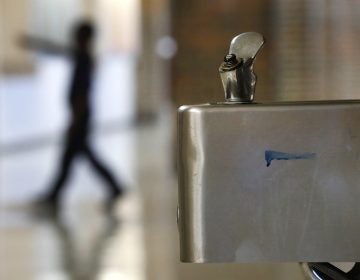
{"x": 42, "y": 45}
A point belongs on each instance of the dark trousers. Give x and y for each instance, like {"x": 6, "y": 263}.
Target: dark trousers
{"x": 77, "y": 144}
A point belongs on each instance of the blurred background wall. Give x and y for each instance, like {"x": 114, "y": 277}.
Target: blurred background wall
{"x": 203, "y": 30}
{"x": 311, "y": 50}
{"x": 36, "y": 83}
{"x": 118, "y": 25}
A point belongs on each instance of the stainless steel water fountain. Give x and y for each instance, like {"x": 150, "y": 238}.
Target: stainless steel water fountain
{"x": 267, "y": 181}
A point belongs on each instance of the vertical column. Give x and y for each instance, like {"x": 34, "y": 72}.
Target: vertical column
{"x": 288, "y": 49}
{"x": 153, "y": 72}
{"x": 342, "y": 49}
{"x": 315, "y": 50}
{"x": 355, "y": 16}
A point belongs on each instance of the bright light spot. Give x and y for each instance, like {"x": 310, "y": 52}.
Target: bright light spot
{"x": 166, "y": 47}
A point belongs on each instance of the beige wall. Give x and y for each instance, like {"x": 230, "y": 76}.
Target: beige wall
{"x": 118, "y": 21}
{"x": 47, "y": 19}
{"x": 13, "y": 22}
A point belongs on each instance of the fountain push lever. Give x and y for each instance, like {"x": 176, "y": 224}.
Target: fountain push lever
{"x": 236, "y": 71}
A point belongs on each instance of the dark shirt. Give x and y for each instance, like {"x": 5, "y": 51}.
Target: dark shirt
{"x": 80, "y": 86}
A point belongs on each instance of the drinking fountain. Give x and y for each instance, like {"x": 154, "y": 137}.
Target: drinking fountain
{"x": 267, "y": 181}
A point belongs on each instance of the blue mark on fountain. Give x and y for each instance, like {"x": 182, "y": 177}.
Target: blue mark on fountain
{"x": 274, "y": 155}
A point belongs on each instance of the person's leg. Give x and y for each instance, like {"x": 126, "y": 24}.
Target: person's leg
{"x": 114, "y": 188}
{"x": 63, "y": 173}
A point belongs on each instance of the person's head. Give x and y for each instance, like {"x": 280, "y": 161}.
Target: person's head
{"x": 83, "y": 34}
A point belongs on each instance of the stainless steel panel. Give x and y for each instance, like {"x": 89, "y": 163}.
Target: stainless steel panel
{"x": 270, "y": 182}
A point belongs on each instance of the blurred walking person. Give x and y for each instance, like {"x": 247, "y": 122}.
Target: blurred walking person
{"x": 79, "y": 128}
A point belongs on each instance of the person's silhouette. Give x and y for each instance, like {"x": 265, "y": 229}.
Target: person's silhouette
{"x": 76, "y": 142}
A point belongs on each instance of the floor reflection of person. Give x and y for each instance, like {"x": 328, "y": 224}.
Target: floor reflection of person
{"x": 73, "y": 259}
{"x": 77, "y": 142}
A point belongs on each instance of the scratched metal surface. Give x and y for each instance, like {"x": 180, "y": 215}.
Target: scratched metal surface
{"x": 303, "y": 206}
